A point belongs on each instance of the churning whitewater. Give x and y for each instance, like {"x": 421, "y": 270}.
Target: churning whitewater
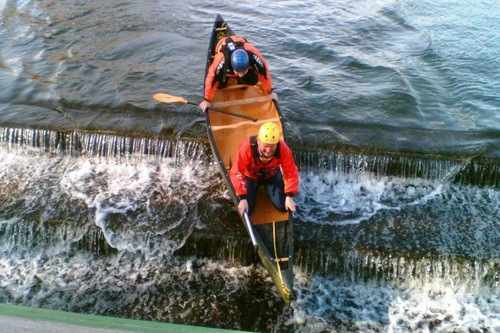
{"x": 103, "y": 233}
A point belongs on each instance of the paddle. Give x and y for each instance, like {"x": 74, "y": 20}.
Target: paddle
{"x": 166, "y": 98}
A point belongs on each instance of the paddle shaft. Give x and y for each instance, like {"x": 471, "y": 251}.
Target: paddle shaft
{"x": 249, "y": 227}
{"x": 227, "y": 112}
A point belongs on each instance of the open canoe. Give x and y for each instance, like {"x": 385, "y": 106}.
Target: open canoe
{"x": 270, "y": 229}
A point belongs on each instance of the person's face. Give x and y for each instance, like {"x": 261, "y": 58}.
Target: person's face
{"x": 267, "y": 149}
{"x": 241, "y": 74}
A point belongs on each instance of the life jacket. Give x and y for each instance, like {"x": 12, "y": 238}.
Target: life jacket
{"x": 232, "y": 43}
{"x": 227, "y": 46}
{"x": 263, "y": 172}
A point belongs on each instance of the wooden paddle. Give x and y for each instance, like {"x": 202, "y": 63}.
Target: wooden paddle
{"x": 166, "y": 98}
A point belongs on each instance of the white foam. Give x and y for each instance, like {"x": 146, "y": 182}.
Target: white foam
{"x": 333, "y": 198}
{"x": 128, "y": 191}
{"x": 144, "y": 199}
{"x": 324, "y": 303}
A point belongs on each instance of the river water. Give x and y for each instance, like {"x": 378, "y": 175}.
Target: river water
{"x": 111, "y": 203}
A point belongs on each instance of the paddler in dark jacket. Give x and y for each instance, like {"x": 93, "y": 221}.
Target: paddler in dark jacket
{"x": 238, "y": 60}
{"x": 265, "y": 160}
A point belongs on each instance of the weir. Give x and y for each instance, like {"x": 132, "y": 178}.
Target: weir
{"x": 342, "y": 257}
{"x": 368, "y": 266}
{"x": 473, "y": 169}
{"x": 142, "y": 228}
{"x": 351, "y": 265}
{"x": 352, "y": 262}
{"x": 99, "y": 144}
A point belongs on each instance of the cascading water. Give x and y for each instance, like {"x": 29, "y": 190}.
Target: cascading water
{"x": 143, "y": 228}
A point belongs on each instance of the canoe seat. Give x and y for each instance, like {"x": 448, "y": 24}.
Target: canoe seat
{"x": 266, "y": 212}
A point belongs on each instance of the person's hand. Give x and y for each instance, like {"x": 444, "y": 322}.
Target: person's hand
{"x": 243, "y": 206}
{"x": 290, "y": 204}
{"x": 204, "y": 105}
{"x": 273, "y": 96}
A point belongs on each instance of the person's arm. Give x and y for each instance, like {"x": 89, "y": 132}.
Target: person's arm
{"x": 291, "y": 176}
{"x": 237, "y": 172}
{"x": 211, "y": 82}
{"x": 237, "y": 176}
{"x": 289, "y": 170}
{"x": 261, "y": 68}
{"x": 244, "y": 161}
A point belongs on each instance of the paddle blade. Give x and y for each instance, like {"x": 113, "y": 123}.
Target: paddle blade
{"x": 166, "y": 98}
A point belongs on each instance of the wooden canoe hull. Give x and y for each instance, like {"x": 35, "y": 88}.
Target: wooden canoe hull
{"x": 272, "y": 229}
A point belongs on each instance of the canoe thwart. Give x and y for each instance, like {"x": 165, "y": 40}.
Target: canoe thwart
{"x": 251, "y": 100}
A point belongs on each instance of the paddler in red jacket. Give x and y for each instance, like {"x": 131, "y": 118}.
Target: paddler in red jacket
{"x": 265, "y": 160}
{"x": 238, "y": 60}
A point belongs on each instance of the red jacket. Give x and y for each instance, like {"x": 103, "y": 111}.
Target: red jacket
{"x": 244, "y": 165}
{"x": 215, "y": 74}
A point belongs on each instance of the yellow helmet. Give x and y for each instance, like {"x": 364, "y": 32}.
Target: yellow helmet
{"x": 269, "y": 133}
